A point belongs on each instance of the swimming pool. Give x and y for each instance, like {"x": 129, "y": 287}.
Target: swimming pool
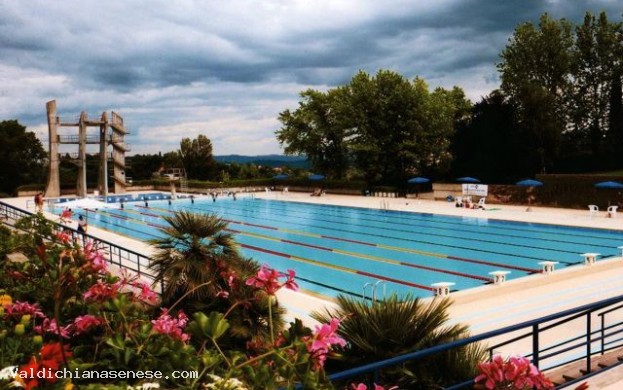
{"x": 336, "y": 249}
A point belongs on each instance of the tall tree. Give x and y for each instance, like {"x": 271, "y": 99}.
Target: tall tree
{"x": 596, "y": 72}
{"x": 22, "y": 157}
{"x": 317, "y": 129}
{"x": 535, "y": 72}
{"x": 197, "y": 158}
{"x": 383, "y": 127}
{"x": 490, "y": 145}
{"x": 388, "y": 117}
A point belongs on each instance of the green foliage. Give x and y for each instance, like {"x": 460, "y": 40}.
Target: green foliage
{"x": 385, "y": 329}
{"x": 197, "y": 158}
{"x": 382, "y": 128}
{"x": 201, "y": 269}
{"x": 564, "y": 82}
{"x": 22, "y": 157}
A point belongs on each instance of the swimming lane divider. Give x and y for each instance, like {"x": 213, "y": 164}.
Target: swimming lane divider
{"x": 412, "y": 240}
{"x": 414, "y": 216}
{"x": 363, "y": 256}
{"x": 300, "y": 259}
{"x": 337, "y": 267}
{"x": 388, "y": 247}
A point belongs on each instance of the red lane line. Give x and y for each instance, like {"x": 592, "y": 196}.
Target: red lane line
{"x": 348, "y": 240}
{"x": 446, "y": 271}
{"x": 395, "y": 280}
{"x": 494, "y": 264}
{"x": 266, "y": 251}
{"x": 356, "y": 271}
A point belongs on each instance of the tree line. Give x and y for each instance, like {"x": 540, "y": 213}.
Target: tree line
{"x": 559, "y": 108}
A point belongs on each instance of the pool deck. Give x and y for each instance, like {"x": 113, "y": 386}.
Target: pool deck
{"x": 484, "y": 308}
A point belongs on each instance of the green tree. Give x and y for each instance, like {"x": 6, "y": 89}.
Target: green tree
{"x": 318, "y": 129}
{"x": 22, "y": 157}
{"x": 536, "y": 77}
{"x": 393, "y": 327}
{"x": 383, "y": 127}
{"x": 143, "y": 166}
{"x": 488, "y": 145}
{"x": 597, "y": 76}
{"x": 197, "y": 158}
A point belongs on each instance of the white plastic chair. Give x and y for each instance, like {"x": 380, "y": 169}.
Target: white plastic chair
{"x": 481, "y": 203}
{"x": 592, "y": 210}
{"x": 612, "y": 211}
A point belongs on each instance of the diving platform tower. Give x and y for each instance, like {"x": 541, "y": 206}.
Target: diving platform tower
{"x": 104, "y": 139}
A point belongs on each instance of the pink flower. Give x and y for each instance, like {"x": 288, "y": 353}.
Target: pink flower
{"x": 63, "y": 237}
{"x": 96, "y": 261}
{"x": 322, "y": 341}
{"x": 18, "y": 309}
{"x": 173, "y": 327}
{"x": 267, "y": 279}
{"x": 362, "y": 386}
{"x": 516, "y": 371}
{"x": 83, "y": 324}
{"x": 50, "y": 326}
{"x": 147, "y": 294}
{"x": 100, "y": 292}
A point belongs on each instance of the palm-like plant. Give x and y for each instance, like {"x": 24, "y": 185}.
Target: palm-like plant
{"x": 385, "y": 329}
{"x": 192, "y": 252}
{"x": 201, "y": 269}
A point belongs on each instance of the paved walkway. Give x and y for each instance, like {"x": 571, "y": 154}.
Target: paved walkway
{"x": 488, "y": 307}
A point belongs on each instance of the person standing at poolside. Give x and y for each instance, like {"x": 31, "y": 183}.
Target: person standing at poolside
{"x": 82, "y": 225}
{"x": 39, "y": 200}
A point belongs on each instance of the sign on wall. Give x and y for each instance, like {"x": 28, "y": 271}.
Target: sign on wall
{"x": 475, "y": 189}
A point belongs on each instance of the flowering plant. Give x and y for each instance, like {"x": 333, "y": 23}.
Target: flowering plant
{"x": 516, "y": 372}
{"x": 64, "y": 309}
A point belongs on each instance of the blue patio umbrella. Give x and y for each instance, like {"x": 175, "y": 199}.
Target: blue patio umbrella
{"x": 467, "y": 179}
{"x": 529, "y": 183}
{"x": 610, "y": 185}
{"x": 418, "y": 180}
{"x": 281, "y": 176}
{"x": 613, "y": 185}
{"x": 315, "y": 177}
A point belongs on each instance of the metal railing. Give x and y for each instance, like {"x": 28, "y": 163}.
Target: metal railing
{"x": 114, "y": 254}
{"x": 583, "y": 349}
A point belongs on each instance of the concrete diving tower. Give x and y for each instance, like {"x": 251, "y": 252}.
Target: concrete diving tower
{"x": 103, "y": 139}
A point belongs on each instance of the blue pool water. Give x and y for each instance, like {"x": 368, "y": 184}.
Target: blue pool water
{"x": 340, "y": 249}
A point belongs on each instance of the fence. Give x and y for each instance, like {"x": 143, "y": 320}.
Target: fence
{"x": 592, "y": 342}
{"x": 114, "y": 254}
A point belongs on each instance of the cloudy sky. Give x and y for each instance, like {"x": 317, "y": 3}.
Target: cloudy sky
{"x": 226, "y": 68}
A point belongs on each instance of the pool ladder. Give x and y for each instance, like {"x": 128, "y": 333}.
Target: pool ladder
{"x": 373, "y": 289}
{"x": 384, "y": 205}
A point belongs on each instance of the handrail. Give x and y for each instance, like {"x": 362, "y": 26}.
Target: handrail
{"x": 534, "y": 324}
{"x": 603, "y": 313}
{"x": 113, "y": 253}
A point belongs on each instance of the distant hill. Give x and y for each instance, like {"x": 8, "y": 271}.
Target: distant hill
{"x": 273, "y": 160}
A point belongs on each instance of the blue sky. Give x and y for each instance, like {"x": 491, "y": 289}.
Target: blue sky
{"x": 226, "y": 69}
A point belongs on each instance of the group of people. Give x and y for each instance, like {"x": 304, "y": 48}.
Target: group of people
{"x": 466, "y": 203}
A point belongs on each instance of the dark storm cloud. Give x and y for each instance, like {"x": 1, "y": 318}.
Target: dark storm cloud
{"x": 222, "y": 68}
